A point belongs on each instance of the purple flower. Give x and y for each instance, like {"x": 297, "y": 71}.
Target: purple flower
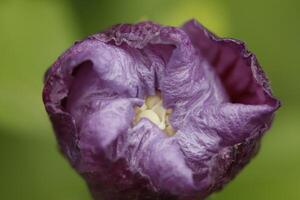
{"x": 144, "y": 111}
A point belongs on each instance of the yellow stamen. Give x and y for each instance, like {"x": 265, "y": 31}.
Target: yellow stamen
{"x": 153, "y": 110}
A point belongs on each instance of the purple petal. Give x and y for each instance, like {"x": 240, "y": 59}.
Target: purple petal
{"x": 221, "y": 100}
{"x": 240, "y": 73}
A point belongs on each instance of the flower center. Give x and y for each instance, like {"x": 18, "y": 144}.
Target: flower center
{"x": 154, "y": 111}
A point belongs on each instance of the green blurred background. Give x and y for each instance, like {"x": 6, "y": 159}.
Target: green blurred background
{"x": 33, "y": 33}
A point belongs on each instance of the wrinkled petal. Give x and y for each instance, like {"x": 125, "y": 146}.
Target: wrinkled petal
{"x": 211, "y": 132}
{"x": 158, "y": 157}
{"x": 221, "y": 100}
{"x": 240, "y": 73}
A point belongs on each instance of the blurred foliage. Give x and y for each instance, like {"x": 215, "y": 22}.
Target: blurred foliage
{"x": 34, "y": 32}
